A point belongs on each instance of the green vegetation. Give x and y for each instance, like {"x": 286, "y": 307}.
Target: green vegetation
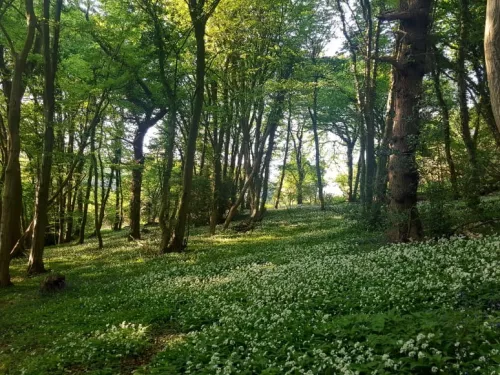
{"x": 305, "y": 292}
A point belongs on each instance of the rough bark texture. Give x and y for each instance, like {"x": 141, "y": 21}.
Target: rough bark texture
{"x": 403, "y": 173}
{"x": 492, "y": 55}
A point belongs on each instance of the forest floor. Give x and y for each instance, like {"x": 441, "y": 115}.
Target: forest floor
{"x": 305, "y": 292}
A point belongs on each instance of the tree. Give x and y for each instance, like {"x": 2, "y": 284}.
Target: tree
{"x": 199, "y": 12}
{"x": 492, "y": 54}
{"x": 50, "y": 50}
{"x": 413, "y": 17}
{"x": 12, "y": 192}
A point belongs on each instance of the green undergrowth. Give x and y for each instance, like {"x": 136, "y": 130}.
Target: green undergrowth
{"x": 306, "y": 292}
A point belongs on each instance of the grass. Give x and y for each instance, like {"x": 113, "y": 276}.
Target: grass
{"x": 307, "y": 292}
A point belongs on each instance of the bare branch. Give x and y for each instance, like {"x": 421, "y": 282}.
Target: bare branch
{"x": 391, "y": 60}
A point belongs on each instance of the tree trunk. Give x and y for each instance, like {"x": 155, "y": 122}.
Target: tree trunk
{"x": 69, "y": 201}
{"x": 410, "y": 69}
{"x": 446, "y": 130}
{"x": 384, "y": 150}
{"x": 10, "y": 230}
{"x": 350, "y": 173}
{"x": 135, "y": 201}
{"x": 86, "y": 203}
{"x": 472, "y": 186}
{"x": 96, "y": 193}
{"x": 50, "y": 54}
{"x": 285, "y": 156}
{"x": 319, "y": 173}
{"x": 217, "y": 147}
{"x": 177, "y": 242}
{"x": 492, "y": 55}
{"x": 167, "y": 173}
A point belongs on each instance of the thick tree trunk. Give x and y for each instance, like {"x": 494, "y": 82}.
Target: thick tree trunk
{"x": 177, "y": 242}
{"x": 410, "y": 69}
{"x": 10, "y": 230}
{"x": 492, "y": 55}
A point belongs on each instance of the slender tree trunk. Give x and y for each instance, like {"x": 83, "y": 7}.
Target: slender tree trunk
{"x": 265, "y": 182}
{"x": 403, "y": 173}
{"x": 96, "y": 193}
{"x": 167, "y": 173}
{"x": 117, "y": 225}
{"x": 385, "y": 147}
{"x": 86, "y": 203}
{"x": 446, "y": 131}
{"x": 217, "y": 146}
{"x": 35, "y": 263}
{"x": 69, "y": 201}
{"x": 358, "y": 174}
{"x": 285, "y": 156}
{"x": 492, "y": 55}
{"x": 177, "y": 242}
{"x": 473, "y": 184}
{"x": 135, "y": 202}
{"x": 350, "y": 173}
{"x": 317, "y": 154}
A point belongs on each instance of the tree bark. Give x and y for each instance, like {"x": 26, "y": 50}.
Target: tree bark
{"x": 86, "y": 203}
{"x": 317, "y": 153}
{"x": 177, "y": 243}
{"x": 350, "y": 173}
{"x": 167, "y": 173}
{"x": 136, "y": 188}
{"x": 217, "y": 143}
{"x": 403, "y": 172}
{"x": 10, "y": 230}
{"x": 51, "y": 55}
{"x": 492, "y": 55}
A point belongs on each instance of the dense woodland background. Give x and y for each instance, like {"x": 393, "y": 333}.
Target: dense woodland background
{"x": 248, "y": 113}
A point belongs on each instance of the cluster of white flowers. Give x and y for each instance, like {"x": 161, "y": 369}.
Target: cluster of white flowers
{"x": 307, "y": 303}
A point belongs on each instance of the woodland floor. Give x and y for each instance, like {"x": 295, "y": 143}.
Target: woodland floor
{"x": 305, "y": 292}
